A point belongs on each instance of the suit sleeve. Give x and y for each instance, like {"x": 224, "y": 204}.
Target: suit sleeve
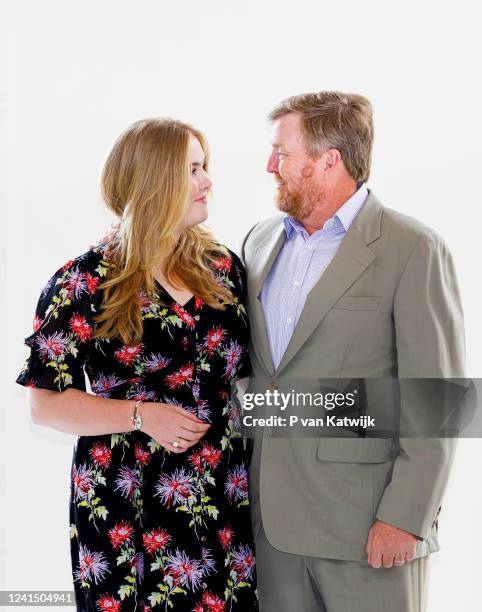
{"x": 430, "y": 343}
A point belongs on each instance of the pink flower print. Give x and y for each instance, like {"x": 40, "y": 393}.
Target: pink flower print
{"x": 174, "y": 487}
{"x": 233, "y": 355}
{"x": 127, "y": 482}
{"x": 243, "y": 562}
{"x": 154, "y": 363}
{"x": 105, "y": 383}
{"x": 187, "y": 572}
{"x": 75, "y": 283}
{"x": 208, "y": 563}
{"x": 92, "y": 566}
{"x": 237, "y": 483}
{"x": 83, "y": 478}
{"x": 53, "y": 346}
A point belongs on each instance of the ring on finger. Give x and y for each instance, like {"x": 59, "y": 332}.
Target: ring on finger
{"x": 176, "y": 443}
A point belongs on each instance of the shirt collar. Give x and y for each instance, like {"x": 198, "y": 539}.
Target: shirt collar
{"x": 345, "y": 214}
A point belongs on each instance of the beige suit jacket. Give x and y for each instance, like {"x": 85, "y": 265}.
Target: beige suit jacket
{"x": 387, "y": 305}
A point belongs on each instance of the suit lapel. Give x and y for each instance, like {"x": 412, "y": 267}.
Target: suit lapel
{"x": 259, "y": 268}
{"x": 350, "y": 261}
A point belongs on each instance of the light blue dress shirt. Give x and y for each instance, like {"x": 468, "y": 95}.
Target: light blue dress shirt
{"x": 300, "y": 263}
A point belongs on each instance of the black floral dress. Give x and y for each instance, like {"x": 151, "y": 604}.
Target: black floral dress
{"x": 152, "y": 529}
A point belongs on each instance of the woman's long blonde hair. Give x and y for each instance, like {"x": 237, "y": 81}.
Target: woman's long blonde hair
{"x": 146, "y": 184}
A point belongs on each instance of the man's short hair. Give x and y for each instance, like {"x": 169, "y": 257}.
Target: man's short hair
{"x": 332, "y": 119}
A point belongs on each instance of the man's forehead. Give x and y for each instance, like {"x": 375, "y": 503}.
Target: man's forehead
{"x": 286, "y": 130}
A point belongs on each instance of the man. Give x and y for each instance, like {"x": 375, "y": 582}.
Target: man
{"x": 341, "y": 287}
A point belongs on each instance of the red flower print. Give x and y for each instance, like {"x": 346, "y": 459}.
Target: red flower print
{"x": 36, "y": 323}
{"x": 212, "y": 456}
{"x": 101, "y": 454}
{"x": 122, "y": 532}
{"x": 92, "y": 283}
{"x": 142, "y": 456}
{"x": 156, "y": 540}
{"x": 237, "y": 483}
{"x": 198, "y": 303}
{"x": 67, "y": 264}
{"x": 223, "y": 264}
{"x": 183, "y": 315}
{"x": 213, "y": 603}
{"x": 195, "y": 460}
{"x": 127, "y": 354}
{"x": 180, "y": 377}
{"x": 214, "y": 338}
{"x": 80, "y": 327}
{"x": 225, "y": 536}
{"x": 31, "y": 384}
{"x": 107, "y": 603}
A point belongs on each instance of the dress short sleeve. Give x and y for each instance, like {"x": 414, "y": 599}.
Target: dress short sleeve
{"x": 62, "y": 334}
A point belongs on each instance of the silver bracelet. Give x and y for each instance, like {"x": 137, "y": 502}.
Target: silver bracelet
{"x": 136, "y": 416}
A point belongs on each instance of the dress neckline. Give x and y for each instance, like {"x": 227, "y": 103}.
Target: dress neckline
{"x": 171, "y": 297}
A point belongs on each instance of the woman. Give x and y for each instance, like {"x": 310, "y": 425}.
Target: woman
{"x": 159, "y": 502}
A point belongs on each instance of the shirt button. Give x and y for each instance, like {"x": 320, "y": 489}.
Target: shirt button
{"x": 309, "y": 247}
{"x": 288, "y": 320}
{"x": 296, "y": 283}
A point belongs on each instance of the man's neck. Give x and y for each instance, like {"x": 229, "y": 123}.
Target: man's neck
{"x": 329, "y": 205}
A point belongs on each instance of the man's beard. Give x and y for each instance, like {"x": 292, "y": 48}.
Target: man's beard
{"x": 300, "y": 203}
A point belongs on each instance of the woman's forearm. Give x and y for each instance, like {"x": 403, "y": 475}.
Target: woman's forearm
{"x": 77, "y": 412}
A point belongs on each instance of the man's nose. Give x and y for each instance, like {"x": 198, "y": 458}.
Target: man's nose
{"x": 272, "y": 163}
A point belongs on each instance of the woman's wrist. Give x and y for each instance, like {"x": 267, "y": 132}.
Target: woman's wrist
{"x": 136, "y": 417}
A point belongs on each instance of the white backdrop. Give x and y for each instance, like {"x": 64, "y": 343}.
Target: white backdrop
{"x": 79, "y": 73}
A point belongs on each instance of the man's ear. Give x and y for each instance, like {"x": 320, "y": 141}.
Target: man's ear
{"x": 332, "y": 159}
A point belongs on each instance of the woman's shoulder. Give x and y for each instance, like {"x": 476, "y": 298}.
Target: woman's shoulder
{"x": 81, "y": 275}
{"x": 226, "y": 262}
{"x": 93, "y": 263}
